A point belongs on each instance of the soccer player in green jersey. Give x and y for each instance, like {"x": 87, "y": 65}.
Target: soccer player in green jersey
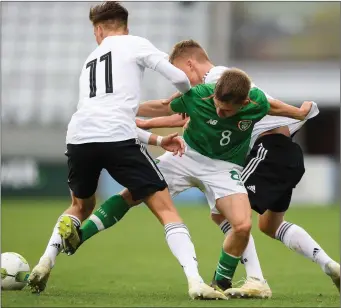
{"x": 273, "y": 168}
{"x": 217, "y": 138}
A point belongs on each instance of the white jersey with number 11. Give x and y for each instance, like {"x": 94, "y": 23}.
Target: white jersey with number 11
{"x": 110, "y": 86}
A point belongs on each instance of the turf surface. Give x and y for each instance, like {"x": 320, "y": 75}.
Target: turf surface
{"x": 131, "y": 265}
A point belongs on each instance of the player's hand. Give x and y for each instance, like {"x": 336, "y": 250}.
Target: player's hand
{"x": 173, "y": 143}
{"x": 186, "y": 124}
{"x": 142, "y": 123}
{"x": 305, "y": 109}
{"x": 168, "y": 100}
{"x": 184, "y": 115}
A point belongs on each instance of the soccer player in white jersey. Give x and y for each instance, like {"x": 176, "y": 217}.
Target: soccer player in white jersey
{"x": 102, "y": 135}
{"x": 273, "y": 168}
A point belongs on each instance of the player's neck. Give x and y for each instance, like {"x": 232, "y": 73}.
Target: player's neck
{"x": 116, "y": 32}
{"x": 205, "y": 68}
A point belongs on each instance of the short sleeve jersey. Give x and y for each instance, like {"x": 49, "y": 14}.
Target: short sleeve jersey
{"x": 109, "y": 89}
{"x": 219, "y": 138}
{"x": 268, "y": 122}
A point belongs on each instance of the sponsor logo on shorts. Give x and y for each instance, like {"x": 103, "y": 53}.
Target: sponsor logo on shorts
{"x": 243, "y": 125}
{"x": 234, "y": 175}
{"x": 252, "y": 188}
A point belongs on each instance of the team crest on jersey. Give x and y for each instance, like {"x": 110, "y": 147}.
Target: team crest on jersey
{"x": 243, "y": 125}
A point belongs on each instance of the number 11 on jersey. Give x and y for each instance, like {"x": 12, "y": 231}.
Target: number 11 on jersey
{"x": 108, "y": 74}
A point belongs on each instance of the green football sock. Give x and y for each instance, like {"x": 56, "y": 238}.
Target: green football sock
{"x": 226, "y": 266}
{"x": 108, "y": 214}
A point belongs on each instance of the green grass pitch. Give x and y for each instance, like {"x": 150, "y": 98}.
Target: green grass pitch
{"x": 131, "y": 265}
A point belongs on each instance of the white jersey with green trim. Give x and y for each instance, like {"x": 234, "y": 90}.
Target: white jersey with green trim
{"x": 268, "y": 122}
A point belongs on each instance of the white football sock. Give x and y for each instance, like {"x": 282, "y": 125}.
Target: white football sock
{"x": 249, "y": 257}
{"x": 297, "y": 239}
{"x": 180, "y": 243}
{"x": 54, "y": 246}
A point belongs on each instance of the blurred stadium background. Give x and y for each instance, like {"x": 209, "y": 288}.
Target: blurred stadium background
{"x": 290, "y": 49}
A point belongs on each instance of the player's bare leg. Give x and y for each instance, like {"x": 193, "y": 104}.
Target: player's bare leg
{"x": 107, "y": 215}
{"x": 297, "y": 239}
{"x": 236, "y": 209}
{"x": 79, "y": 210}
{"x": 180, "y": 243}
{"x": 255, "y": 286}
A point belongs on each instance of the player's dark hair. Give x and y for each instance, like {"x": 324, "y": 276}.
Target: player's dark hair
{"x": 233, "y": 86}
{"x": 188, "y": 48}
{"x": 109, "y": 13}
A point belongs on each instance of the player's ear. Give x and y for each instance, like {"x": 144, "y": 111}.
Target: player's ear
{"x": 189, "y": 63}
{"x": 97, "y": 34}
{"x": 101, "y": 31}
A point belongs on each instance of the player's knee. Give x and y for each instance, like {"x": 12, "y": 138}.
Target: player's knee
{"x": 243, "y": 229}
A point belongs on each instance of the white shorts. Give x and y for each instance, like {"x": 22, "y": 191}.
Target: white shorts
{"x": 216, "y": 178}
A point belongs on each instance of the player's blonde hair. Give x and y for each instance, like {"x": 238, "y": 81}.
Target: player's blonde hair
{"x": 110, "y": 13}
{"x": 233, "y": 86}
{"x": 188, "y": 49}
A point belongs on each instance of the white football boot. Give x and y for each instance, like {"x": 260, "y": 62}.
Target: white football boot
{"x": 40, "y": 274}
{"x": 251, "y": 288}
{"x": 199, "y": 290}
{"x": 332, "y": 269}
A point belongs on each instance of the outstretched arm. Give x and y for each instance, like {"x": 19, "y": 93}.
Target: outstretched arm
{"x": 278, "y": 108}
{"x": 154, "y": 108}
{"x": 176, "y": 76}
{"x": 149, "y": 56}
{"x": 174, "y": 120}
{"x": 158, "y": 107}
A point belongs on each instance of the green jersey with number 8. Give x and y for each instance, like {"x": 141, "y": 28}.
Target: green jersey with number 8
{"x": 226, "y": 139}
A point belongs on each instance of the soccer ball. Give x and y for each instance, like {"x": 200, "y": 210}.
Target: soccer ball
{"x": 14, "y": 271}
